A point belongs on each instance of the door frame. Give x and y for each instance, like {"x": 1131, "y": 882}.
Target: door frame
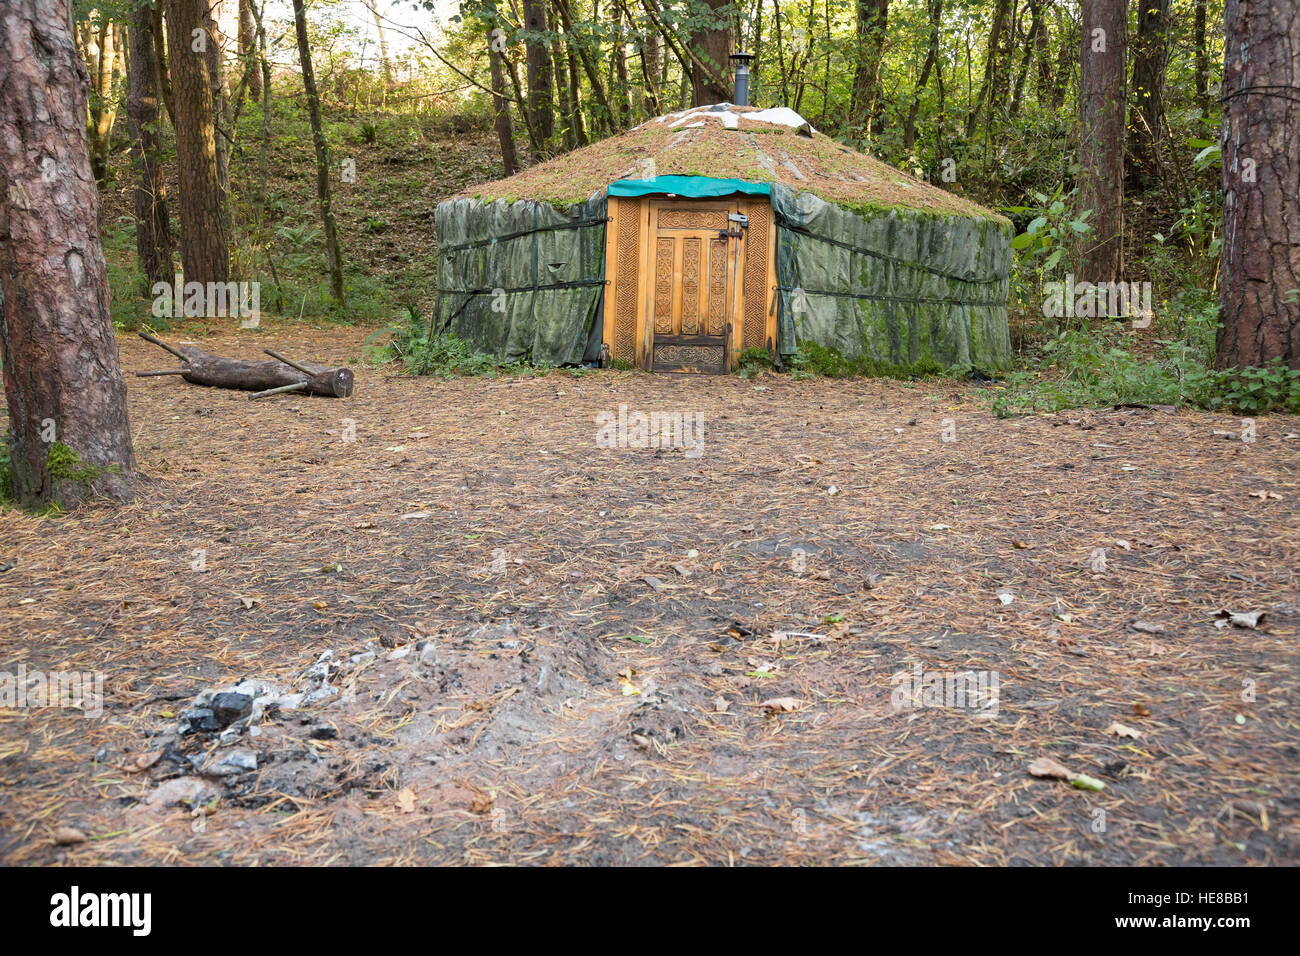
{"x": 628, "y": 327}
{"x": 735, "y": 264}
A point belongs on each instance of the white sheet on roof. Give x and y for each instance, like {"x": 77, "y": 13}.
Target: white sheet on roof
{"x": 778, "y": 116}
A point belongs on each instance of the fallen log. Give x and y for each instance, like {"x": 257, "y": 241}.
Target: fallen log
{"x": 260, "y": 377}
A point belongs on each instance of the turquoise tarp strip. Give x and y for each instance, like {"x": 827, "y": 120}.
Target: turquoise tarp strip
{"x": 690, "y": 186}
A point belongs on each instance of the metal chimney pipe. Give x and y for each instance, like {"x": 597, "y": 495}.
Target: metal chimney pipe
{"x": 742, "y": 78}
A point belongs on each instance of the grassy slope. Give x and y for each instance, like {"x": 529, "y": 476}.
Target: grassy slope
{"x": 385, "y": 218}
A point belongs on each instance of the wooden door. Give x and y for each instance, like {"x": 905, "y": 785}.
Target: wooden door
{"x": 692, "y": 257}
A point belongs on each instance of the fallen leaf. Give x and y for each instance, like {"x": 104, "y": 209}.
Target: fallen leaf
{"x": 782, "y": 705}
{"x": 1122, "y": 731}
{"x": 1147, "y": 628}
{"x": 653, "y": 581}
{"x": 1006, "y": 597}
{"x": 1251, "y": 619}
{"x": 143, "y": 761}
{"x": 1141, "y": 710}
{"x": 406, "y": 800}
{"x": 720, "y": 704}
{"x": 1049, "y": 768}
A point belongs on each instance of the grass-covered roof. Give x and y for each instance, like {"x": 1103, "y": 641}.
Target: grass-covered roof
{"x": 699, "y": 143}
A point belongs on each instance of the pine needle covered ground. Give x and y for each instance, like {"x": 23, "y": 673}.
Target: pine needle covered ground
{"x": 574, "y": 654}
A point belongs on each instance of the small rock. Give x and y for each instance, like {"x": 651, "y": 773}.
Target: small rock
{"x": 228, "y": 707}
{"x": 198, "y": 719}
{"x": 232, "y": 763}
{"x": 68, "y": 836}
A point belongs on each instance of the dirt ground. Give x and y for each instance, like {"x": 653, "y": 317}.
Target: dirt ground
{"x": 545, "y": 651}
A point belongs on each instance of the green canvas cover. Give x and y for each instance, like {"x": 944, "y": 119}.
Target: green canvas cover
{"x": 898, "y": 286}
{"x": 521, "y": 281}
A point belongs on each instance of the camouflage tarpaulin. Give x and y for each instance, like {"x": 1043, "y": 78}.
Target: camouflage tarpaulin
{"x": 901, "y": 287}
{"x": 520, "y": 281}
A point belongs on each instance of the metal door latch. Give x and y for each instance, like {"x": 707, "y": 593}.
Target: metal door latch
{"x": 735, "y": 233}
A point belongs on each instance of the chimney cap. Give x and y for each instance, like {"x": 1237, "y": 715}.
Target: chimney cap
{"x": 741, "y": 58}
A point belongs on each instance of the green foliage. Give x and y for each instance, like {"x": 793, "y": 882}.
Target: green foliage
{"x": 443, "y": 356}
{"x": 1054, "y": 228}
{"x": 1100, "y": 367}
{"x": 752, "y": 362}
{"x": 813, "y": 361}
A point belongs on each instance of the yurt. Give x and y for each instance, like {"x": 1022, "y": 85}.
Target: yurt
{"x": 679, "y": 244}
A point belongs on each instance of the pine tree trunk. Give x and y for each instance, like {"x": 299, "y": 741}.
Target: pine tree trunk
{"x": 333, "y": 254}
{"x": 153, "y": 237}
{"x": 70, "y": 436}
{"x": 1259, "y": 289}
{"x": 204, "y": 254}
{"x": 1101, "y": 137}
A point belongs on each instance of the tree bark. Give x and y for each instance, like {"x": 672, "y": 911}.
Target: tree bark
{"x": 204, "y": 254}
{"x": 105, "y": 64}
{"x": 710, "y": 48}
{"x": 541, "y": 102}
{"x": 931, "y": 58}
{"x": 1259, "y": 288}
{"x": 1146, "y": 114}
{"x": 333, "y": 254}
{"x": 70, "y": 436}
{"x": 1201, "y": 68}
{"x": 501, "y": 106}
{"x": 259, "y": 375}
{"x": 1101, "y": 136}
{"x": 384, "y": 59}
{"x": 872, "y": 24}
{"x": 248, "y": 47}
{"x": 153, "y": 237}
{"x": 1000, "y": 14}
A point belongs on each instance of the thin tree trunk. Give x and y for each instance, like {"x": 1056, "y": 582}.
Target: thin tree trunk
{"x": 872, "y": 24}
{"x": 153, "y": 239}
{"x": 931, "y": 58}
{"x": 575, "y": 95}
{"x": 593, "y": 75}
{"x": 248, "y": 46}
{"x": 1259, "y": 291}
{"x": 1000, "y": 14}
{"x": 160, "y": 56}
{"x": 1031, "y": 43}
{"x": 333, "y": 253}
{"x": 501, "y": 108}
{"x": 650, "y": 56}
{"x": 1201, "y": 70}
{"x": 1101, "y": 136}
{"x": 385, "y": 61}
{"x": 204, "y": 253}
{"x": 1150, "y": 60}
{"x": 69, "y": 432}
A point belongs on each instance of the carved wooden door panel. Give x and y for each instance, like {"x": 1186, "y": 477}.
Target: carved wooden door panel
{"x": 690, "y": 291}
